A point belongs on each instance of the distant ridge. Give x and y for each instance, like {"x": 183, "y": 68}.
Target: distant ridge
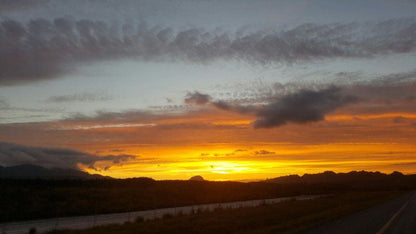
{"x": 29, "y": 171}
{"x": 197, "y": 178}
{"x": 353, "y": 178}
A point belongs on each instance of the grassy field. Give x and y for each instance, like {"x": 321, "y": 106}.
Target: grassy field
{"x": 291, "y": 216}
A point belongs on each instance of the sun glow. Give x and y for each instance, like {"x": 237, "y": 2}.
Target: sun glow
{"x": 229, "y": 167}
{"x": 254, "y": 161}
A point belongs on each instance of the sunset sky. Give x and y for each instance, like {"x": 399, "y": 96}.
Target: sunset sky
{"x": 229, "y": 90}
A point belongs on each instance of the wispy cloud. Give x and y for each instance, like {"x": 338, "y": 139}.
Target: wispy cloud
{"x": 101, "y": 126}
{"x": 81, "y": 97}
{"x": 45, "y": 49}
{"x": 264, "y": 152}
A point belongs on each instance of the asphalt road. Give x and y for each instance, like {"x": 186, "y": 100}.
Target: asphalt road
{"x": 405, "y": 222}
{"x": 83, "y": 222}
{"x": 393, "y": 217}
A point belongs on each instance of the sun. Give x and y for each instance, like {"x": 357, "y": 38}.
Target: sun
{"x": 227, "y": 167}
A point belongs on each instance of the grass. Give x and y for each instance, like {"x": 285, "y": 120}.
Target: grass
{"x": 290, "y": 216}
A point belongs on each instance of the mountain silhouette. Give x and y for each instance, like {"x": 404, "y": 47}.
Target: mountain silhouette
{"x": 196, "y": 178}
{"x": 353, "y": 179}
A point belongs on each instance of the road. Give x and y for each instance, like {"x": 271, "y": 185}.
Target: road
{"x": 83, "y": 222}
{"x": 393, "y": 217}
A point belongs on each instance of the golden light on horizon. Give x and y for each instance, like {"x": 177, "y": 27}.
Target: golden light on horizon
{"x": 260, "y": 160}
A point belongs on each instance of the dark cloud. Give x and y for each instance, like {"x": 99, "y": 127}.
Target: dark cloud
{"x": 264, "y": 152}
{"x": 82, "y": 97}
{"x": 197, "y": 98}
{"x": 44, "y": 49}
{"x": 301, "y": 107}
{"x": 229, "y": 106}
{"x": 13, "y": 154}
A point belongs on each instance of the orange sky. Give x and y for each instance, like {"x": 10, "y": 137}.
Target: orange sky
{"x": 174, "y": 89}
{"x": 221, "y": 145}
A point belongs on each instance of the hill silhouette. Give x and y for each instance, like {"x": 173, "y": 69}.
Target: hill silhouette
{"x": 353, "y": 179}
{"x": 196, "y": 178}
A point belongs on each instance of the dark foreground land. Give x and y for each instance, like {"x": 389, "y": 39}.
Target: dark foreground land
{"x": 38, "y": 199}
{"x": 392, "y": 217}
{"x": 41, "y": 198}
{"x": 286, "y": 217}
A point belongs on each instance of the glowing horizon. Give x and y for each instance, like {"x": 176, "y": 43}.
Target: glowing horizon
{"x": 170, "y": 90}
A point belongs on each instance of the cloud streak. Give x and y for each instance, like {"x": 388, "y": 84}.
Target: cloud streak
{"x": 13, "y": 154}
{"x": 82, "y": 97}
{"x": 45, "y": 49}
{"x": 20, "y": 5}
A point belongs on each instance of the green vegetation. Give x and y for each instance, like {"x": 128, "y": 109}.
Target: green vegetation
{"x": 282, "y": 217}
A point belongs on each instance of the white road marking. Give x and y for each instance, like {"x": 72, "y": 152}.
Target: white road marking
{"x": 387, "y": 225}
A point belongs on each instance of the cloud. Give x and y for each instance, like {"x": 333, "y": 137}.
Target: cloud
{"x": 123, "y": 117}
{"x": 197, "y": 98}
{"x": 45, "y": 49}
{"x": 3, "y": 104}
{"x": 13, "y": 154}
{"x": 229, "y": 106}
{"x": 302, "y": 106}
{"x": 103, "y": 126}
{"x": 264, "y": 152}
{"x": 7, "y": 6}
{"x": 82, "y": 97}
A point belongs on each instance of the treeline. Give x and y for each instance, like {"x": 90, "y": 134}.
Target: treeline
{"x": 34, "y": 199}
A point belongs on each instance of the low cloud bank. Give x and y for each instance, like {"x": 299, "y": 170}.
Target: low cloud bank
{"x": 13, "y": 154}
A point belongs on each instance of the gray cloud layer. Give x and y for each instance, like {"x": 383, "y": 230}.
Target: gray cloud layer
{"x": 13, "y": 154}
{"x": 20, "y": 5}
{"x": 44, "y": 49}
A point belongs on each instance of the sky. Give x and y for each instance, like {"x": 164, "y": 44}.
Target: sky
{"x": 229, "y": 90}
